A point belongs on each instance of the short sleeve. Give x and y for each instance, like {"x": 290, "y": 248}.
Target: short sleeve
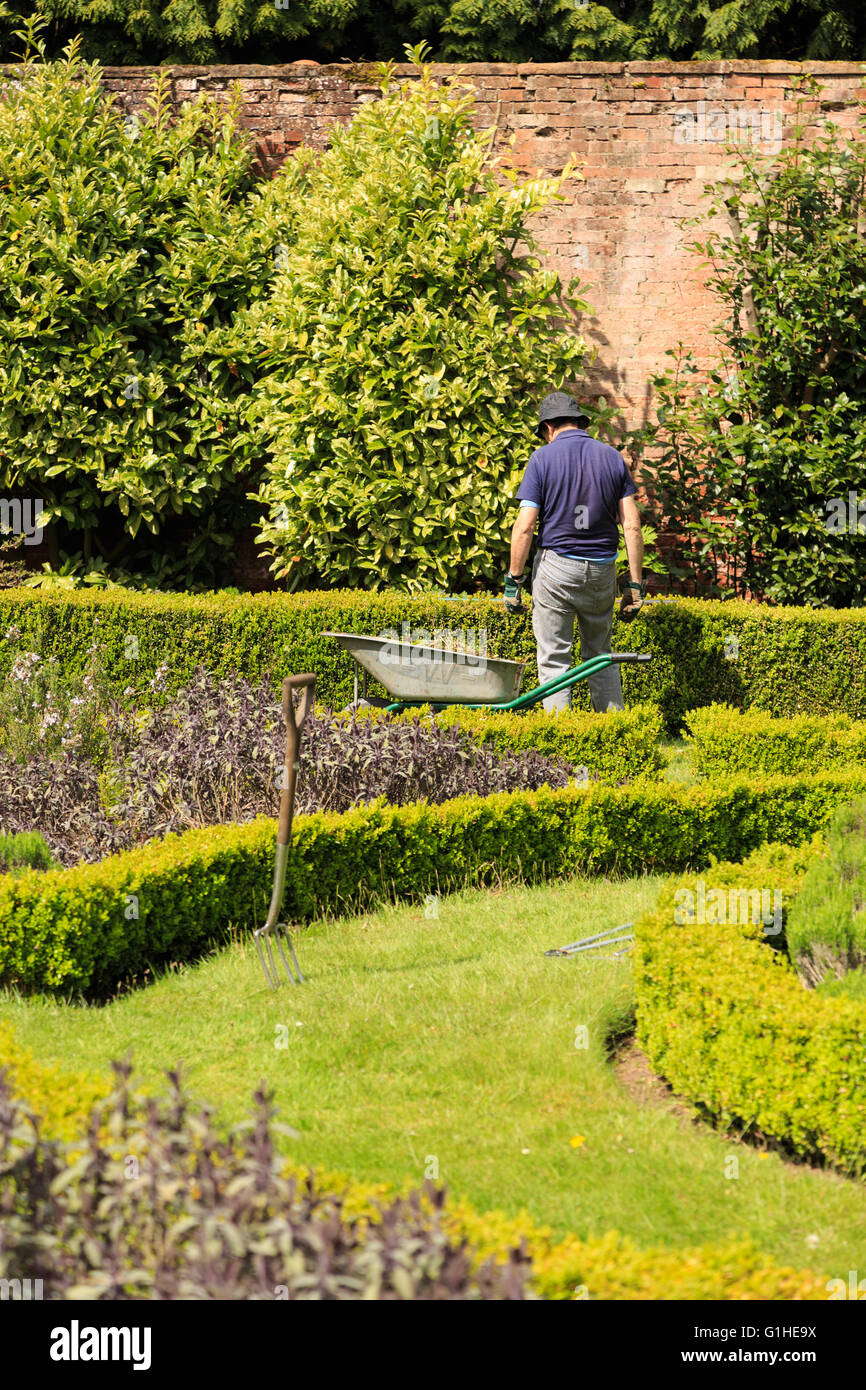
{"x": 628, "y": 486}
{"x": 530, "y": 488}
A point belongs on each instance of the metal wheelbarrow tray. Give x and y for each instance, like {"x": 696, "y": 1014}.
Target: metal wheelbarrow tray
{"x": 421, "y": 675}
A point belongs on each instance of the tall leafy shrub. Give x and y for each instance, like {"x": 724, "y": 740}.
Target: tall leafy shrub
{"x": 127, "y": 246}
{"x": 409, "y": 336}
{"x": 757, "y": 465}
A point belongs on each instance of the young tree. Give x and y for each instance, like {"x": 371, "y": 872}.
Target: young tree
{"x": 759, "y": 464}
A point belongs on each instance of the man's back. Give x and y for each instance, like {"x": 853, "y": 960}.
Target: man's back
{"x": 577, "y": 483}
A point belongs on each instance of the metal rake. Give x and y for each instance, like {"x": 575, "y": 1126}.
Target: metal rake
{"x": 613, "y": 936}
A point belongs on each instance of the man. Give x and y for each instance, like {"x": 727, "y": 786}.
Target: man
{"x": 580, "y": 491}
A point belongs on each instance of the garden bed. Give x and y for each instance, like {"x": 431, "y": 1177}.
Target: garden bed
{"x": 97, "y": 775}
{"x": 441, "y": 1039}
{"x": 91, "y": 928}
{"x": 783, "y": 660}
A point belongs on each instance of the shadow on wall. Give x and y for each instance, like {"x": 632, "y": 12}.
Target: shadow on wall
{"x": 605, "y": 378}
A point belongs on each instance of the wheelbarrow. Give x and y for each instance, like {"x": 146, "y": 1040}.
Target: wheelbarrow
{"x": 420, "y": 675}
{"x": 274, "y": 930}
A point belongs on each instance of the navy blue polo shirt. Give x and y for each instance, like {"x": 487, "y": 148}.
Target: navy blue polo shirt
{"x": 577, "y": 484}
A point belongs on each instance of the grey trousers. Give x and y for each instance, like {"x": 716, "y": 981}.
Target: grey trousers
{"x": 563, "y": 590}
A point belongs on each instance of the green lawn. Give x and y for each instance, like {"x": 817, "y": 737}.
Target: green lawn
{"x": 678, "y": 764}
{"x": 852, "y": 985}
{"x": 453, "y": 1040}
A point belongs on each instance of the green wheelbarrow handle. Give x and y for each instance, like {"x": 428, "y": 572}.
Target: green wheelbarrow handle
{"x": 564, "y": 681}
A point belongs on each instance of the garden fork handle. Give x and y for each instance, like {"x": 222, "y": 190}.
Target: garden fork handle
{"x": 307, "y": 683}
{"x": 294, "y": 725}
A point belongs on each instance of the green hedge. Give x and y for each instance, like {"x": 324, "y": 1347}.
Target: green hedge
{"x": 614, "y": 747}
{"x": 89, "y": 928}
{"x": 724, "y": 741}
{"x": 726, "y": 1021}
{"x": 786, "y": 660}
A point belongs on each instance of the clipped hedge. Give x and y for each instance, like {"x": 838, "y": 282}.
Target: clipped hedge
{"x": 613, "y": 747}
{"x": 62, "y": 1099}
{"x": 725, "y": 741}
{"x": 89, "y": 928}
{"x": 601, "y": 1267}
{"x": 727, "y": 1022}
{"x": 784, "y": 660}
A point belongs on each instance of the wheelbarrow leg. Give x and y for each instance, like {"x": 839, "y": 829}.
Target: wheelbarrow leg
{"x": 274, "y": 929}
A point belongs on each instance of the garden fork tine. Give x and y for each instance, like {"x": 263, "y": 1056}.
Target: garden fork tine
{"x": 273, "y": 926}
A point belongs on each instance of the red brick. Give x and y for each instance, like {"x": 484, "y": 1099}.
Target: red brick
{"x": 617, "y": 227}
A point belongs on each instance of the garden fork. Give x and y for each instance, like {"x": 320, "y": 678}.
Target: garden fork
{"x": 273, "y": 928}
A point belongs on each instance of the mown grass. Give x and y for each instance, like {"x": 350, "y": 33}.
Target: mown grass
{"x": 424, "y": 1043}
{"x": 678, "y": 762}
{"x": 852, "y": 985}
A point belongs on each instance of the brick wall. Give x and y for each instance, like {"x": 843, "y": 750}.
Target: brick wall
{"x": 648, "y": 135}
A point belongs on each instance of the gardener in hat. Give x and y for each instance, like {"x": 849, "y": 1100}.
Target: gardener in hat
{"x": 579, "y": 491}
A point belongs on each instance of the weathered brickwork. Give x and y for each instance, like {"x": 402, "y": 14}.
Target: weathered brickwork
{"x": 647, "y": 135}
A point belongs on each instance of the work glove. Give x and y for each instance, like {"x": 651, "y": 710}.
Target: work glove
{"x": 632, "y": 600}
{"x": 514, "y": 591}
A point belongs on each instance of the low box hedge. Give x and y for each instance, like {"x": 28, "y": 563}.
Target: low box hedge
{"x": 614, "y": 747}
{"x": 725, "y": 741}
{"x": 62, "y": 1099}
{"x": 728, "y": 1023}
{"x": 87, "y": 929}
{"x": 784, "y": 660}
